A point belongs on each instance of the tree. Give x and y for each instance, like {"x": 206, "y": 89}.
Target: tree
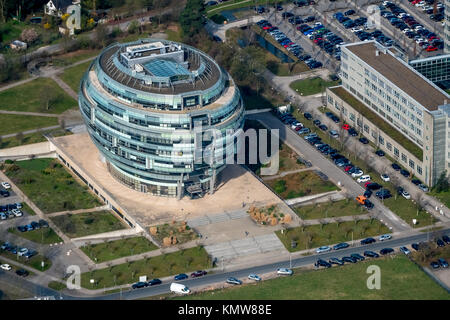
{"x": 101, "y": 35}
{"x": 48, "y": 97}
{"x": 191, "y": 18}
{"x": 133, "y": 27}
{"x": 29, "y": 35}
{"x": 442, "y": 185}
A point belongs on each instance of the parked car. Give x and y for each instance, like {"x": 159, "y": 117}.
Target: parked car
{"x": 385, "y": 237}
{"x": 5, "y": 267}
{"x": 336, "y": 261}
{"x": 406, "y": 195}
{"x": 357, "y": 256}
{"x": 349, "y": 259}
{"x": 199, "y": 273}
{"x": 440, "y": 243}
{"x": 22, "y": 272}
{"x": 395, "y": 166}
{"x": 139, "y": 285}
{"x": 154, "y": 282}
{"x": 446, "y": 239}
{"x": 6, "y": 185}
{"x": 341, "y": 245}
{"x": 363, "y": 140}
{"x": 423, "y": 187}
{"x": 323, "y": 249}
{"x": 363, "y": 178}
{"x": 322, "y": 263}
{"x": 443, "y": 263}
{"x": 181, "y": 276}
{"x": 386, "y": 251}
{"x": 233, "y": 280}
{"x": 379, "y": 153}
{"x": 435, "y": 265}
{"x": 385, "y": 177}
{"x": 254, "y": 277}
{"x": 415, "y": 246}
{"x": 43, "y": 223}
{"x": 368, "y": 241}
{"x": 405, "y": 250}
{"x": 371, "y": 254}
{"x": 284, "y": 271}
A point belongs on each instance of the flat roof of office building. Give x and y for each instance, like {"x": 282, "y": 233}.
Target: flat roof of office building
{"x": 400, "y": 74}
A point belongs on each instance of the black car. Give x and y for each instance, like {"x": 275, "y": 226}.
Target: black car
{"x": 322, "y": 263}
{"x": 323, "y": 127}
{"x": 198, "y": 273}
{"x": 368, "y": 204}
{"x": 4, "y": 193}
{"x": 395, "y": 166}
{"x": 379, "y": 153}
{"x": 383, "y": 194}
{"x": 349, "y": 12}
{"x": 22, "y": 228}
{"x": 368, "y": 241}
{"x": 43, "y": 223}
{"x": 357, "y": 257}
{"x": 307, "y": 116}
{"x": 374, "y": 186}
{"x": 139, "y": 285}
{"x": 386, "y": 251}
{"x": 349, "y": 259}
{"x": 35, "y": 225}
{"x": 400, "y": 190}
{"x": 352, "y": 132}
{"x": 446, "y": 239}
{"x": 367, "y": 193}
{"x": 154, "y": 282}
{"x": 363, "y": 140}
{"x": 22, "y": 272}
{"x": 415, "y": 246}
{"x": 440, "y": 243}
{"x": 371, "y": 254}
{"x": 435, "y": 265}
{"x": 404, "y": 173}
{"x": 416, "y": 181}
{"x": 337, "y": 261}
{"x": 317, "y": 122}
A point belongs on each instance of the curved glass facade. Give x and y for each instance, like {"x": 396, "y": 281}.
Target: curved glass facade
{"x": 151, "y": 106}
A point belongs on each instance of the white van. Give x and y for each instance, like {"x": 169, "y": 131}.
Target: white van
{"x": 179, "y": 288}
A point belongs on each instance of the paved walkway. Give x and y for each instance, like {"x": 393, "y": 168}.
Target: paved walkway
{"x": 285, "y": 173}
{"x": 65, "y": 87}
{"x": 322, "y": 197}
{"x": 60, "y": 213}
{"x": 30, "y": 131}
{"x": 37, "y": 114}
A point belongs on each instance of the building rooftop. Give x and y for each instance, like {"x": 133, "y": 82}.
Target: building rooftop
{"x": 400, "y": 74}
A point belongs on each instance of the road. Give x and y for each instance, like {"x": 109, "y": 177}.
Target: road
{"x": 219, "y": 277}
{"x": 336, "y": 175}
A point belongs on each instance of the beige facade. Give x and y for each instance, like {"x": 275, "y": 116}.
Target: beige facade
{"x": 447, "y": 27}
{"x": 407, "y": 118}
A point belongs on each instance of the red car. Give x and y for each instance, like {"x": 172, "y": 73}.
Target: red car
{"x": 367, "y": 183}
{"x": 347, "y": 168}
{"x": 298, "y": 128}
{"x": 431, "y": 48}
{"x": 346, "y": 127}
{"x": 198, "y": 274}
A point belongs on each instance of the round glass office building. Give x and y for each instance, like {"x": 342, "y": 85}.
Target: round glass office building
{"x": 163, "y": 115}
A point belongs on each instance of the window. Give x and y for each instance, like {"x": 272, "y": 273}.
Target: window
{"x": 366, "y": 128}
{"x": 381, "y": 140}
{"x": 404, "y": 158}
{"x": 396, "y": 152}
{"x": 419, "y": 170}
{"x": 411, "y": 164}
{"x": 352, "y": 117}
{"x": 389, "y": 146}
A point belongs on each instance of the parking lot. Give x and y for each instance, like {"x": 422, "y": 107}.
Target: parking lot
{"x": 313, "y": 32}
{"x": 11, "y": 205}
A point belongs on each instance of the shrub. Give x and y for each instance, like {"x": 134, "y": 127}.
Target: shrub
{"x": 280, "y": 186}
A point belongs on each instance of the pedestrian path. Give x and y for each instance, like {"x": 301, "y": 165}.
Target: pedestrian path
{"x": 215, "y": 218}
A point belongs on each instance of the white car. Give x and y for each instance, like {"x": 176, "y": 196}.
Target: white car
{"x": 357, "y": 173}
{"x": 17, "y": 212}
{"x": 284, "y": 271}
{"x": 254, "y": 277}
{"x": 3, "y": 216}
{"x": 356, "y": 29}
{"x": 22, "y": 251}
{"x": 385, "y": 178}
{"x": 364, "y": 178}
{"x": 406, "y": 195}
{"x": 323, "y": 249}
{"x": 6, "y": 267}
{"x": 6, "y": 185}
{"x": 385, "y": 237}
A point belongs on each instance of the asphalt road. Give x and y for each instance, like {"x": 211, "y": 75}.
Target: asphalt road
{"x": 329, "y": 168}
{"x": 264, "y": 269}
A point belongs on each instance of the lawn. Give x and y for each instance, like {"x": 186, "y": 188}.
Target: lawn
{"x": 288, "y": 159}
{"x": 32, "y": 138}
{"x": 73, "y": 57}
{"x": 34, "y": 262}
{"x": 110, "y": 250}
{"x": 56, "y": 285}
{"x": 317, "y": 235}
{"x": 274, "y": 65}
{"x": 47, "y": 183}
{"x": 341, "y": 208}
{"x": 26, "y": 208}
{"x": 378, "y": 121}
{"x": 87, "y": 223}
{"x": 236, "y": 4}
{"x": 72, "y": 76}
{"x": 443, "y": 196}
{"x": 184, "y": 260}
{"x": 38, "y": 92}
{"x": 300, "y": 184}
{"x": 311, "y": 86}
{"x": 405, "y": 209}
{"x": 13, "y": 123}
{"x": 400, "y": 280}
{"x": 42, "y": 235}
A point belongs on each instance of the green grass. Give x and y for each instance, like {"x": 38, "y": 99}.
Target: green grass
{"x": 153, "y": 267}
{"x": 404, "y": 208}
{"x": 72, "y": 76}
{"x": 47, "y": 183}
{"x": 311, "y": 86}
{"x": 300, "y": 184}
{"x": 33, "y": 262}
{"x": 288, "y": 159}
{"x": 443, "y": 196}
{"x": 26, "y": 208}
{"x": 13, "y": 123}
{"x": 56, "y": 285}
{"x": 36, "y": 92}
{"x": 400, "y": 280}
{"x": 341, "y": 208}
{"x": 42, "y": 235}
{"x": 73, "y": 57}
{"x": 313, "y": 236}
{"x": 218, "y": 18}
{"x": 111, "y": 250}
{"x": 236, "y": 4}
{"x": 378, "y": 121}
{"x": 32, "y": 138}
{"x": 87, "y": 223}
